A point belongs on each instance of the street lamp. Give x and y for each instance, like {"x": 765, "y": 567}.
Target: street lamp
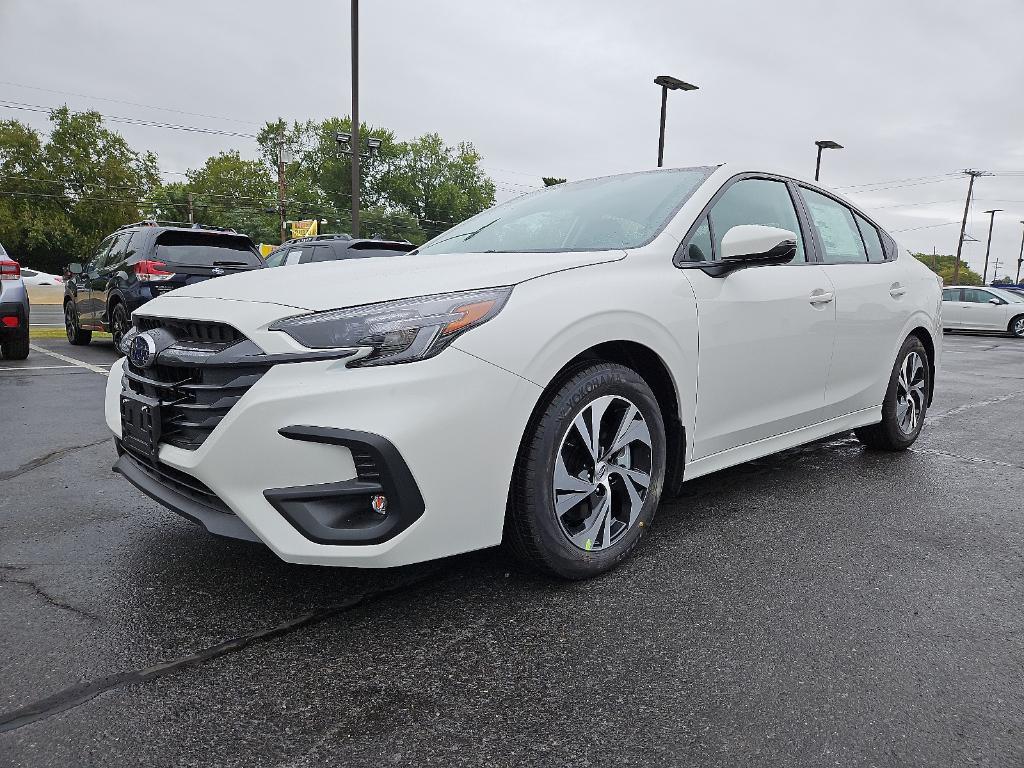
{"x": 823, "y": 144}
{"x": 988, "y": 247}
{"x": 668, "y": 83}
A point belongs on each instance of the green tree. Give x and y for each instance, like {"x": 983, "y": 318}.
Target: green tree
{"x": 550, "y": 181}
{"x": 229, "y": 191}
{"x": 60, "y": 197}
{"x": 944, "y": 268}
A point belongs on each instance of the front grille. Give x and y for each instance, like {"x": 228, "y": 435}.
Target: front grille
{"x": 178, "y": 481}
{"x": 200, "y": 331}
{"x": 194, "y": 396}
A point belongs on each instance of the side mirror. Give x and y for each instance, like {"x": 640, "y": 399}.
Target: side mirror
{"x": 75, "y": 268}
{"x": 995, "y": 301}
{"x": 753, "y": 245}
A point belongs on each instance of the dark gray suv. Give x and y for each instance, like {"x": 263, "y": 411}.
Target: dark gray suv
{"x": 14, "y": 310}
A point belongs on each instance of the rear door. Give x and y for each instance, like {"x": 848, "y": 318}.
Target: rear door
{"x": 105, "y": 272}
{"x": 952, "y": 313}
{"x": 870, "y": 307}
{"x": 765, "y": 333}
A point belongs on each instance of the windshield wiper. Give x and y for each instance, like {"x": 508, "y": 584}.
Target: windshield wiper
{"x": 465, "y": 237}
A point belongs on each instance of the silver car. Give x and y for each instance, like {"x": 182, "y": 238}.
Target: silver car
{"x": 14, "y": 310}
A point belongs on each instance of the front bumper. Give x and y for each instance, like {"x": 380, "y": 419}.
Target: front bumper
{"x": 454, "y": 421}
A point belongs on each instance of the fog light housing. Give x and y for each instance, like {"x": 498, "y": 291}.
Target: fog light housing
{"x": 379, "y": 504}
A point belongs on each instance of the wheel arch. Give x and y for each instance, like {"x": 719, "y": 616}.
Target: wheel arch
{"x": 922, "y": 334}
{"x": 653, "y": 369}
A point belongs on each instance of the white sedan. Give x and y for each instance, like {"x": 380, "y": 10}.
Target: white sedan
{"x": 970, "y": 308}
{"x": 543, "y": 373}
{"x": 33, "y": 277}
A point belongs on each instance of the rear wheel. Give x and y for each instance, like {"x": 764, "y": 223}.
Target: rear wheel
{"x": 590, "y": 474}
{"x": 1016, "y": 327}
{"x": 76, "y": 335}
{"x": 16, "y": 348}
{"x": 120, "y": 323}
{"x": 906, "y": 401}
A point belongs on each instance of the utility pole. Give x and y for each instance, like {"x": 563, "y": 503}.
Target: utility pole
{"x": 1020, "y": 258}
{"x": 935, "y": 261}
{"x": 281, "y": 183}
{"x": 991, "y": 221}
{"x": 356, "y": 146}
{"x": 963, "y": 225}
{"x": 191, "y": 215}
{"x": 995, "y": 268}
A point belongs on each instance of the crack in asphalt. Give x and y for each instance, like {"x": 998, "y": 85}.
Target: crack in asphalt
{"x": 47, "y": 458}
{"x": 961, "y": 457}
{"x": 76, "y": 695}
{"x": 933, "y": 417}
{"x": 46, "y": 596}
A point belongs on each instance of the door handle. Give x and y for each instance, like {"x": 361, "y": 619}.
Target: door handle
{"x": 896, "y": 290}
{"x": 818, "y": 296}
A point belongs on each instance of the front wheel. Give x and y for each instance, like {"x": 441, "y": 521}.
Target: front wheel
{"x": 589, "y": 474}
{"x": 1016, "y": 327}
{"x": 76, "y": 335}
{"x": 906, "y": 401}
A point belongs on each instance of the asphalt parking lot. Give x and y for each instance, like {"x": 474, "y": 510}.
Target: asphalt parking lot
{"x": 826, "y": 606}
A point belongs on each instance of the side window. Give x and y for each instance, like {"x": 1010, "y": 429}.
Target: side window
{"x": 117, "y": 251}
{"x": 284, "y": 257}
{"x": 323, "y": 253}
{"x": 28, "y": 273}
{"x": 699, "y": 247}
{"x": 951, "y": 294}
{"x": 756, "y": 201}
{"x": 871, "y": 239}
{"x": 98, "y": 258}
{"x": 837, "y": 229}
{"x": 977, "y": 296}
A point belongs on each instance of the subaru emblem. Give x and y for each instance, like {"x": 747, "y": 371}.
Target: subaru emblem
{"x": 217, "y": 271}
{"x": 142, "y": 350}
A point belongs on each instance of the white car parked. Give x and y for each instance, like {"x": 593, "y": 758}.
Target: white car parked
{"x": 970, "y": 308}
{"x": 543, "y": 372}
{"x": 33, "y": 277}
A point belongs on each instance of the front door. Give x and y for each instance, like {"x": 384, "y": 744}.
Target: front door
{"x": 979, "y": 313}
{"x": 765, "y": 334}
{"x": 87, "y": 313}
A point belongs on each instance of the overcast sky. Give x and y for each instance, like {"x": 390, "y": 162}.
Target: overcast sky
{"x": 914, "y": 90}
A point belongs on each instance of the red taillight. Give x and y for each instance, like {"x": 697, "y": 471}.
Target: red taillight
{"x": 150, "y": 270}
{"x": 10, "y": 270}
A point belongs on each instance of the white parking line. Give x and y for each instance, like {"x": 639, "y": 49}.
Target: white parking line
{"x": 34, "y": 367}
{"x": 73, "y": 361}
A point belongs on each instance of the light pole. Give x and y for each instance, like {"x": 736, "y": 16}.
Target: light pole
{"x": 823, "y": 144}
{"x": 988, "y": 247}
{"x": 355, "y": 118}
{"x": 668, "y": 83}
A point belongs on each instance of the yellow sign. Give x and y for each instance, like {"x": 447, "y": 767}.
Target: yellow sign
{"x": 304, "y": 228}
{"x": 265, "y": 249}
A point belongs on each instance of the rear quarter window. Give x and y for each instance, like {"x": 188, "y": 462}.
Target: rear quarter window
{"x": 200, "y": 249}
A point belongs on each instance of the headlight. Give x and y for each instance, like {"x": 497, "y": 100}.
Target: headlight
{"x": 397, "y": 331}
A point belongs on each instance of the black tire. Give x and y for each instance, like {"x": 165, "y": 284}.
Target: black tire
{"x": 892, "y": 434}
{"x": 1016, "y": 327}
{"x": 534, "y": 531}
{"x": 16, "y": 348}
{"x": 120, "y": 323}
{"x": 76, "y": 336}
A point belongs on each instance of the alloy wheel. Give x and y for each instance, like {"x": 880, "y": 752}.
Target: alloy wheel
{"x": 910, "y": 394}
{"x": 602, "y": 473}
{"x": 1018, "y": 326}
{"x": 119, "y": 325}
{"x": 70, "y": 322}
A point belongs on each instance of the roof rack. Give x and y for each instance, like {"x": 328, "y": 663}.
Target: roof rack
{"x": 179, "y": 224}
{"x": 311, "y": 238}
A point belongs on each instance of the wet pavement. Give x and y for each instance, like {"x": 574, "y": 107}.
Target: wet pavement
{"x": 825, "y": 606}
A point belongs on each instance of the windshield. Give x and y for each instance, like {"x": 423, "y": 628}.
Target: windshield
{"x": 600, "y": 214}
{"x": 1008, "y": 296}
{"x": 197, "y": 249}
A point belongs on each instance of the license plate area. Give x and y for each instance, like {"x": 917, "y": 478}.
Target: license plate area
{"x": 140, "y": 423}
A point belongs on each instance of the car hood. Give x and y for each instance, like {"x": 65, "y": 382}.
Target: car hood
{"x": 346, "y": 283}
